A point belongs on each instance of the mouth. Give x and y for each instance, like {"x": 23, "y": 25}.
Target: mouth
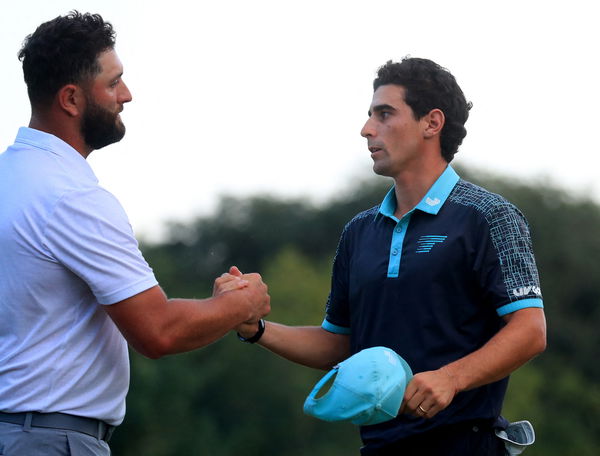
{"x": 374, "y": 149}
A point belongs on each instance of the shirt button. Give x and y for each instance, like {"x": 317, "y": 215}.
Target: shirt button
{"x": 395, "y": 252}
{"x": 399, "y": 229}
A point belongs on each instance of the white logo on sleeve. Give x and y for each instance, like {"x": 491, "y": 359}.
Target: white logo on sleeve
{"x": 524, "y": 291}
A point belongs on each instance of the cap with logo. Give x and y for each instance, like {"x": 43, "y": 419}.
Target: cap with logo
{"x": 367, "y": 388}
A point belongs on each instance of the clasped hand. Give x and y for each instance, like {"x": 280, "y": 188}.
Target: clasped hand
{"x": 235, "y": 280}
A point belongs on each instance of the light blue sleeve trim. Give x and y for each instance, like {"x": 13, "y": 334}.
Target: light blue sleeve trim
{"x": 518, "y": 305}
{"x": 334, "y": 328}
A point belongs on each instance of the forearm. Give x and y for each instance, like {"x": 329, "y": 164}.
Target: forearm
{"x": 156, "y": 326}
{"x": 520, "y": 340}
{"x": 195, "y": 323}
{"x": 310, "y": 346}
{"x": 523, "y": 337}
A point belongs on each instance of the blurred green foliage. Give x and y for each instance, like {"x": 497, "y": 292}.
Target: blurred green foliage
{"x": 231, "y": 398}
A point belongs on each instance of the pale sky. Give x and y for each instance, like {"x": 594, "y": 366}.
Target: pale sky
{"x": 247, "y": 97}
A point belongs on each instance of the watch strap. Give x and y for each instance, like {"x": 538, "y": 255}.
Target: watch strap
{"x": 255, "y": 337}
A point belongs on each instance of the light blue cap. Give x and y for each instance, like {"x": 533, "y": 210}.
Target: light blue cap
{"x": 368, "y": 388}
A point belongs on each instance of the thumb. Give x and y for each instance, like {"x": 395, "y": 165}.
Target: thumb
{"x": 234, "y": 271}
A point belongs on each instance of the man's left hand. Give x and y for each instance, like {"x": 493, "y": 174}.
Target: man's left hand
{"x": 428, "y": 393}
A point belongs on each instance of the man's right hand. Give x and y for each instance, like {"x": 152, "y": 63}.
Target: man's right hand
{"x": 229, "y": 281}
{"x": 258, "y": 299}
{"x": 255, "y": 288}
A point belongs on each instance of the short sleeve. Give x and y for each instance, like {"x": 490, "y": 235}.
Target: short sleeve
{"x": 90, "y": 234}
{"x": 507, "y": 269}
{"x": 337, "y": 315}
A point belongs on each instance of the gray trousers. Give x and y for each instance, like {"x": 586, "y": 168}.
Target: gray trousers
{"x": 16, "y": 440}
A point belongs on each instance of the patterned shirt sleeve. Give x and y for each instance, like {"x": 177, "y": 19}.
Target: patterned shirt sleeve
{"x": 508, "y": 271}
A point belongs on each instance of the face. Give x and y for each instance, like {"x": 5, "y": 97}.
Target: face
{"x": 394, "y": 137}
{"x": 101, "y": 122}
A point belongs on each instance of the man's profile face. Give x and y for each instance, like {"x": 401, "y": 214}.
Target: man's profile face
{"x": 394, "y": 137}
{"x": 101, "y": 122}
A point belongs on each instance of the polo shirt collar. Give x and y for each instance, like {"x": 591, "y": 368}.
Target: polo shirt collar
{"x": 57, "y": 146}
{"x": 434, "y": 199}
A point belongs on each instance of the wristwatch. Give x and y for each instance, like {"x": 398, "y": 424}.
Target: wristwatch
{"x": 255, "y": 337}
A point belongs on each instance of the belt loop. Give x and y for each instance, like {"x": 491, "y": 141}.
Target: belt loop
{"x": 109, "y": 433}
{"x": 101, "y": 431}
{"x": 27, "y": 423}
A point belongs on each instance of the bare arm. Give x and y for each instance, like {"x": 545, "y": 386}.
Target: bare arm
{"x": 310, "y": 346}
{"x": 523, "y": 337}
{"x": 156, "y": 326}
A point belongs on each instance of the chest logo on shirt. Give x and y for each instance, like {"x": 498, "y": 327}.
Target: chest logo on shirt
{"x": 426, "y": 243}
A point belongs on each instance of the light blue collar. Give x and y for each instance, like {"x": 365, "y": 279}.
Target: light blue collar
{"x": 432, "y": 201}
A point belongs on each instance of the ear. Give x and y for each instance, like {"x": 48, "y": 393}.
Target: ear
{"x": 434, "y": 122}
{"x": 71, "y": 99}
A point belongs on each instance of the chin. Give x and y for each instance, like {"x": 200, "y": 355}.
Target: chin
{"x": 380, "y": 169}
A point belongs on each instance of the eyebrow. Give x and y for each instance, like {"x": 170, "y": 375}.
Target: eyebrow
{"x": 381, "y": 107}
{"x": 116, "y": 77}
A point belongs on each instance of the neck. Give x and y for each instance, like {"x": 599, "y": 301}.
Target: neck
{"x": 65, "y": 129}
{"x": 412, "y": 185}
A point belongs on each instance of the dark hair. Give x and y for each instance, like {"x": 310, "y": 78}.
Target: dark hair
{"x": 63, "y": 51}
{"x": 428, "y": 86}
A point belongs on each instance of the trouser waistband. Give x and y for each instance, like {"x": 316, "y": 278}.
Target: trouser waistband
{"x": 96, "y": 428}
{"x": 432, "y": 437}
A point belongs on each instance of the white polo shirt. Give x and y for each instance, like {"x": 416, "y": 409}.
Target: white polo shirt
{"x": 66, "y": 249}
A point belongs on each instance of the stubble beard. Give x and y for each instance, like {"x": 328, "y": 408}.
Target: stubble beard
{"x": 381, "y": 167}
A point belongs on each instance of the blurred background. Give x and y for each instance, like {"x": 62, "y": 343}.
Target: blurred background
{"x": 243, "y": 148}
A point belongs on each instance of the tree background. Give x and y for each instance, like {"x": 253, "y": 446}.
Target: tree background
{"x": 232, "y": 398}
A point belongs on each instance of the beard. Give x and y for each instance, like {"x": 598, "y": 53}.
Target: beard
{"x": 100, "y": 127}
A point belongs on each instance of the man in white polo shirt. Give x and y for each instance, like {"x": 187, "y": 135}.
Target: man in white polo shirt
{"x": 74, "y": 287}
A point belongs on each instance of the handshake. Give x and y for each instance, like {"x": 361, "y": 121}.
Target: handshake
{"x": 255, "y": 299}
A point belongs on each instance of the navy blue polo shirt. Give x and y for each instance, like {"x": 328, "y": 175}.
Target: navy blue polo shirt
{"x": 433, "y": 286}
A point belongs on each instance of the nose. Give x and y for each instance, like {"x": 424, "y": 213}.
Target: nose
{"x": 125, "y": 94}
{"x": 367, "y": 129}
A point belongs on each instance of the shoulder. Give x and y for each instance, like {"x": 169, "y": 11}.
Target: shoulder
{"x": 93, "y": 206}
{"x": 492, "y": 206}
{"x": 90, "y": 197}
{"x": 362, "y": 218}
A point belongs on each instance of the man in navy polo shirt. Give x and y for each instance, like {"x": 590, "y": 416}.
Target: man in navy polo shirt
{"x": 442, "y": 271}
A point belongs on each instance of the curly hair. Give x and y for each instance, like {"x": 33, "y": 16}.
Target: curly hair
{"x": 428, "y": 86}
{"x": 63, "y": 51}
